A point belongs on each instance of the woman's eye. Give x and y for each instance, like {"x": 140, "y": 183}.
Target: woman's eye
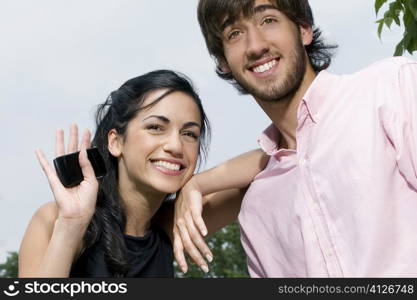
{"x": 154, "y": 127}
{"x": 191, "y": 134}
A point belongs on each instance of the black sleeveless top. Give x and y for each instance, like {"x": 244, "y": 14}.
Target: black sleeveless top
{"x": 148, "y": 256}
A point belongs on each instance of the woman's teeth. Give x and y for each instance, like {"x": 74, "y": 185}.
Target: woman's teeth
{"x": 167, "y": 165}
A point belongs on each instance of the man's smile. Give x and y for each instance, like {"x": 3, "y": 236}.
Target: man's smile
{"x": 264, "y": 67}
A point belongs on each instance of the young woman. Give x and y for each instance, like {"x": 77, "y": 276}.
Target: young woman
{"x": 150, "y": 132}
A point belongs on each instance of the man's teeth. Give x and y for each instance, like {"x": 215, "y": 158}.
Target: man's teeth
{"x": 265, "y": 67}
{"x": 167, "y": 165}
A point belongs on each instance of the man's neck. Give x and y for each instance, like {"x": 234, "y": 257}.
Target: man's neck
{"x": 284, "y": 112}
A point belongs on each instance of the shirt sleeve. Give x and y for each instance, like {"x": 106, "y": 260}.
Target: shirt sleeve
{"x": 404, "y": 121}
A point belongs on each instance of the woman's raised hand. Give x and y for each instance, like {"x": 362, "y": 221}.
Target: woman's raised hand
{"x": 76, "y": 204}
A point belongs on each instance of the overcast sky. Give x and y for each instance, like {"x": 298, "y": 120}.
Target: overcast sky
{"x": 58, "y": 59}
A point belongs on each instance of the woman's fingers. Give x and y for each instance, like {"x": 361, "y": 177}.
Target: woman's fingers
{"x": 179, "y": 251}
{"x": 198, "y": 240}
{"x": 73, "y": 141}
{"x": 85, "y": 164}
{"x": 59, "y": 143}
{"x": 190, "y": 247}
{"x": 196, "y": 208}
{"x": 87, "y": 138}
{"x": 50, "y": 173}
{"x": 191, "y": 228}
{"x": 196, "y": 226}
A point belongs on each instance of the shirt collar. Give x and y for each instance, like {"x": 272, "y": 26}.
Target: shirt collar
{"x": 313, "y": 99}
{"x": 268, "y": 140}
{"x": 317, "y": 93}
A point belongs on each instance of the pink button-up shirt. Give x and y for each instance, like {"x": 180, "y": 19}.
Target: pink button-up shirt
{"x": 344, "y": 204}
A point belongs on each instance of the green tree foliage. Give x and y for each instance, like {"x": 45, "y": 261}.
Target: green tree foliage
{"x": 229, "y": 257}
{"x": 10, "y": 267}
{"x": 402, "y": 12}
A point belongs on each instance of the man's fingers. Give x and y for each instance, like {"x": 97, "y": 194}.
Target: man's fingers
{"x": 179, "y": 251}
{"x": 59, "y": 142}
{"x": 190, "y": 247}
{"x": 73, "y": 141}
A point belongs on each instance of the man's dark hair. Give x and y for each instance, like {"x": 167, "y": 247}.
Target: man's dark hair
{"x": 211, "y": 15}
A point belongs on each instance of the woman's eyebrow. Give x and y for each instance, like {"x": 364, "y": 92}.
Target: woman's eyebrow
{"x": 167, "y": 121}
{"x": 191, "y": 124}
{"x": 162, "y": 118}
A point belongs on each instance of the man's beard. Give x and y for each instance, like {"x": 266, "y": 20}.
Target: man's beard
{"x": 289, "y": 83}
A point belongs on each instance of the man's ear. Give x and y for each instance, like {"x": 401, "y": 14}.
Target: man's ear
{"x": 114, "y": 143}
{"x": 223, "y": 66}
{"x": 306, "y": 34}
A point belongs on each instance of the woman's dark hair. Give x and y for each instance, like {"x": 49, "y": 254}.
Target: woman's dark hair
{"x": 109, "y": 220}
{"x": 212, "y": 13}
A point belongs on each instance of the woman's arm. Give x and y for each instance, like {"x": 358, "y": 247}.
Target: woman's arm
{"x": 56, "y": 230}
{"x": 222, "y": 208}
{"x": 237, "y": 172}
{"x": 223, "y": 189}
{"x": 49, "y": 245}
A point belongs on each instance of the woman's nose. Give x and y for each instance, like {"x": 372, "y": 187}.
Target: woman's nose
{"x": 173, "y": 145}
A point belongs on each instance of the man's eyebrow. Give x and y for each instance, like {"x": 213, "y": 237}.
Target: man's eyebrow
{"x": 262, "y": 8}
{"x": 162, "y": 118}
{"x": 255, "y": 10}
{"x": 229, "y": 21}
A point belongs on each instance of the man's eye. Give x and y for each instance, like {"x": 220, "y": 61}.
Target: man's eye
{"x": 233, "y": 34}
{"x": 268, "y": 20}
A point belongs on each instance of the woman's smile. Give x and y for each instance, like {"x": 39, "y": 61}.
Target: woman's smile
{"x": 168, "y": 167}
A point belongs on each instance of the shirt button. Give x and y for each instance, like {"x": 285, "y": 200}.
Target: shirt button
{"x": 303, "y": 162}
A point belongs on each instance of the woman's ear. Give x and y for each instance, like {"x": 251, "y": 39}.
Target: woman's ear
{"x": 306, "y": 34}
{"x": 114, "y": 143}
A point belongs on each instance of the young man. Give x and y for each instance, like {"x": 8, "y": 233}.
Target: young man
{"x": 338, "y": 196}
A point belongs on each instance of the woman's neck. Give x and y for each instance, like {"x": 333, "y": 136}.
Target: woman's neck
{"x": 140, "y": 206}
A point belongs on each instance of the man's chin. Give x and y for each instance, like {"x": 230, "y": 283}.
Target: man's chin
{"x": 266, "y": 90}
{"x": 265, "y": 93}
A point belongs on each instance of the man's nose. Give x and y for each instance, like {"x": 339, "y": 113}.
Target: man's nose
{"x": 257, "y": 45}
